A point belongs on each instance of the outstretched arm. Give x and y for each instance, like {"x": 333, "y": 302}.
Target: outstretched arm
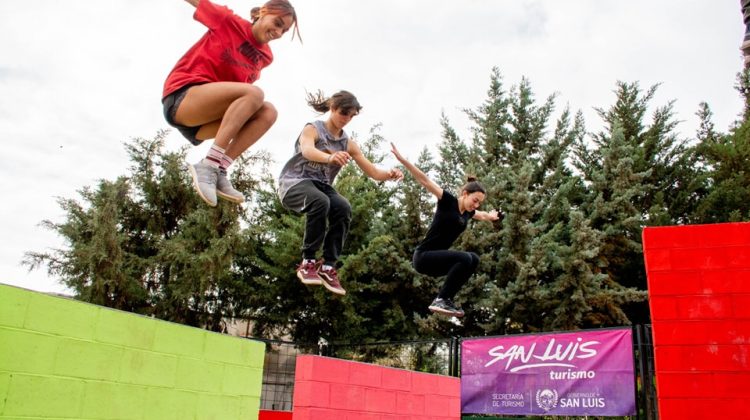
{"x": 417, "y": 173}
{"x": 193, "y": 2}
{"x": 374, "y": 172}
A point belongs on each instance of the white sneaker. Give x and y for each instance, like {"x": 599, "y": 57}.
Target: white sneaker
{"x": 204, "y": 181}
{"x": 225, "y": 190}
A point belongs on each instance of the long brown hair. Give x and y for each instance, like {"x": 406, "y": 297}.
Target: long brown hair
{"x": 341, "y": 100}
{"x": 280, "y": 8}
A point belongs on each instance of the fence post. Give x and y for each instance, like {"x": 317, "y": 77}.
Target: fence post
{"x": 453, "y": 356}
{"x": 643, "y": 343}
{"x": 648, "y": 385}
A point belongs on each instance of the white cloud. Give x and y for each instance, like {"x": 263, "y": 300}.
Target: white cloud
{"x": 79, "y": 78}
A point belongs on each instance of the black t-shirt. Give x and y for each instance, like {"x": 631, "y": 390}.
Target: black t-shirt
{"x": 447, "y": 224}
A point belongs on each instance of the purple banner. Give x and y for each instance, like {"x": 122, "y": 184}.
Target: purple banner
{"x": 578, "y": 373}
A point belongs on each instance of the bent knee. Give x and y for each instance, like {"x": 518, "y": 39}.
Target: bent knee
{"x": 267, "y": 113}
{"x": 470, "y": 260}
{"x": 474, "y": 260}
{"x": 255, "y": 93}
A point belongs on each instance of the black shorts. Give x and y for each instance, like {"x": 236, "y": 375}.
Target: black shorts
{"x": 171, "y": 102}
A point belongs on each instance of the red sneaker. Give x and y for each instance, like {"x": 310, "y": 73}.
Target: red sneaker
{"x": 307, "y": 272}
{"x": 331, "y": 280}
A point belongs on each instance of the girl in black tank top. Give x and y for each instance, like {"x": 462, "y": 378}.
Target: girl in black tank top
{"x": 433, "y": 256}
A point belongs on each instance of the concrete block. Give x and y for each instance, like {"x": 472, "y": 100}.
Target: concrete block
{"x": 199, "y": 375}
{"x": 663, "y": 308}
{"x": 218, "y": 407}
{"x": 125, "y": 329}
{"x": 240, "y": 351}
{"x": 437, "y": 406}
{"x": 396, "y": 379}
{"x": 365, "y": 374}
{"x": 170, "y": 404}
{"x": 27, "y": 351}
{"x": 658, "y": 260}
{"x": 699, "y": 259}
{"x": 250, "y": 409}
{"x": 13, "y": 304}
{"x": 61, "y": 316}
{"x": 44, "y": 396}
{"x": 410, "y": 404}
{"x": 705, "y": 307}
{"x": 674, "y": 283}
{"x": 108, "y": 400}
{"x": 179, "y": 340}
{"x": 686, "y": 385}
{"x": 331, "y": 370}
{"x": 741, "y": 308}
{"x": 347, "y": 397}
{"x": 378, "y": 400}
{"x": 738, "y": 256}
{"x": 312, "y": 394}
{"x": 729, "y": 281}
{"x": 242, "y": 381}
{"x": 139, "y": 367}
{"x": 88, "y": 360}
{"x": 4, "y": 389}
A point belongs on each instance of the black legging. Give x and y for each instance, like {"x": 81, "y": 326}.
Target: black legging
{"x": 323, "y": 206}
{"x": 458, "y": 265}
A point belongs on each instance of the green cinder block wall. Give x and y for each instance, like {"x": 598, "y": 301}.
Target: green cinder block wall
{"x": 65, "y": 359}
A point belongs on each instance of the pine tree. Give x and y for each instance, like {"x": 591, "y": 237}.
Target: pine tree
{"x": 726, "y": 159}
{"x": 636, "y": 175}
{"x": 145, "y": 243}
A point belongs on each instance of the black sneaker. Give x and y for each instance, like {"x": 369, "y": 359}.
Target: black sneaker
{"x": 446, "y": 307}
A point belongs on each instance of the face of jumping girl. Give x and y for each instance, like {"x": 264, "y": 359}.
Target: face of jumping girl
{"x": 270, "y": 26}
{"x": 472, "y": 201}
{"x": 340, "y": 117}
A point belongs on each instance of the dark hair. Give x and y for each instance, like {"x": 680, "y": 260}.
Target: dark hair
{"x": 341, "y": 100}
{"x": 472, "y": 186}
{"x": 280, "y": 8}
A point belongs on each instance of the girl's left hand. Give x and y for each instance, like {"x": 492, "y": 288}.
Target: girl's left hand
{"x": 396, "y": 153}
{"x": 493, "y": 215}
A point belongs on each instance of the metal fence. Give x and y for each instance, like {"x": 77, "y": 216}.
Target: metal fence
{"x": 431, "y": 356}
{"x": 278, "y": 373}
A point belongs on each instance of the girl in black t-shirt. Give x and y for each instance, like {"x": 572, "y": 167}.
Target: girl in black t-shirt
{"x": 432, "y": 256}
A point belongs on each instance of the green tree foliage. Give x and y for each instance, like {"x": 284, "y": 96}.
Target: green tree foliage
{"x": 726, "y": 159}
{"x": 538, "y": 270}
{"x": 566, "y": 254}
{"x": 145, "y": 243}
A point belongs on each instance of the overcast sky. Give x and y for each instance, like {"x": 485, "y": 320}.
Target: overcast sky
{"x": 79, "y": 78}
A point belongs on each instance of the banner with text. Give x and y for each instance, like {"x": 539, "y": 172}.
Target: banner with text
{"x": 579, "y": 373}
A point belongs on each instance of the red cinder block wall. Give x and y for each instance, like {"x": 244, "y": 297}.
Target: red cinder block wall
{"x": 327, "y": 389}
{"x": 699, "y": 291}
{"x": 274, "y": 415}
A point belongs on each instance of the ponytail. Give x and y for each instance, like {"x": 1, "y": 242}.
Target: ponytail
{"x": 341, "y": 100}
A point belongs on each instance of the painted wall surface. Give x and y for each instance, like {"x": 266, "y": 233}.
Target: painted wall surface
{"x": 327, "y": 388}
{"x": 274, "y": 415}
{"x": 699, "y": 291}
{"x": 61, "y": 358}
